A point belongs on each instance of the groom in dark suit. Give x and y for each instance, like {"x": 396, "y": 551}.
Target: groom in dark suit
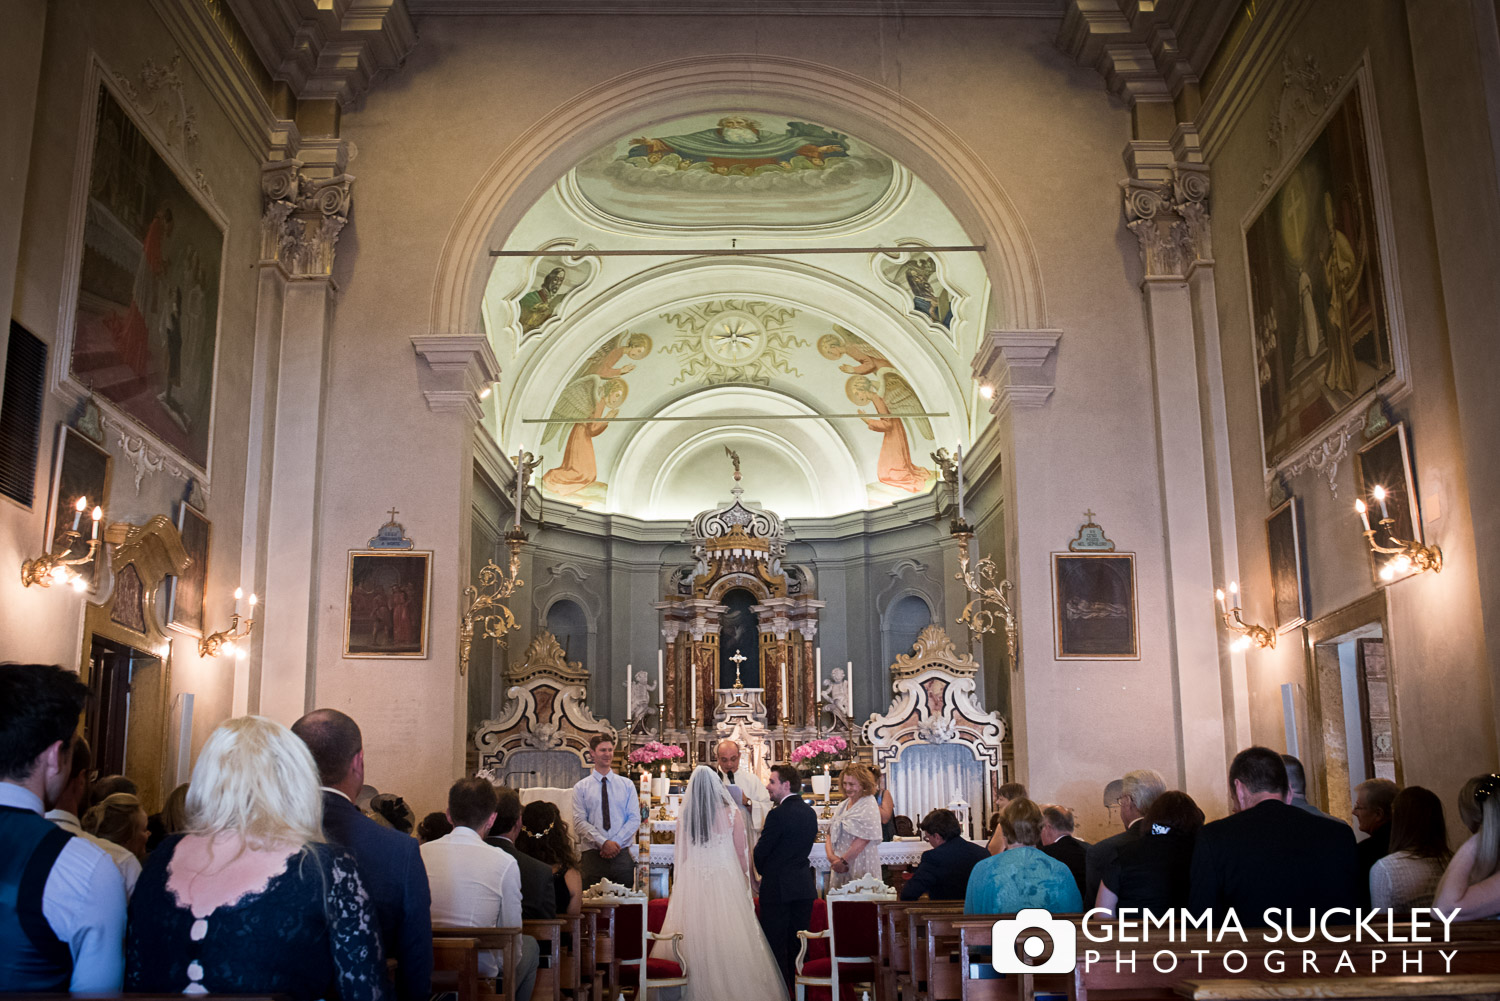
{"x": 787, "y": 887}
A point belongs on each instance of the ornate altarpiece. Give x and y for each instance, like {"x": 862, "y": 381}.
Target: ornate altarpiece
{"x": 739, "y": 546}
{"x": 542, "y": 735}
{"x": 937, "y": 743}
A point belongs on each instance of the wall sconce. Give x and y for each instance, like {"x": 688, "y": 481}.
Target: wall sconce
{"x": 487, "y": 610}
{"x": 989, "y": 598}
{"x": 1249, "y": 635}
{"x": 227, "y": 641}
{"x": 55, "y": 568}
{"x": 1407, "y": 555}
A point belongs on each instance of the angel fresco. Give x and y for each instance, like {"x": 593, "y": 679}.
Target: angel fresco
{"x": 867, "y": 358}
{"x": 596, "y": 392}
{"x": 892, "y": 397}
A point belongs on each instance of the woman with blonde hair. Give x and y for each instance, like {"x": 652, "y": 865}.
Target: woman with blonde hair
{"x": 119, "y": 818}
{"x": 853, "y": 845}
{"x": 1471, "y": 882}
{"x": 250, "y": 899}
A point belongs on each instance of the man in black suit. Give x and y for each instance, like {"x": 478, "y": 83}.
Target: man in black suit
{"x": 787, "y": 887}
{"x": 1058, "y": 842}
{"x": 1373, "y": 800}
{"x": 1269, "y": 854}
{"x": 943, "y": 871}
{"x": 1138, "y": 790}
{"x": 389, "y": 861}
{"x": 538, "y": 893}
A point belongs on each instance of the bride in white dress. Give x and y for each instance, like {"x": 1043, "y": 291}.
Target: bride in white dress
{"x": 726, "y": 951}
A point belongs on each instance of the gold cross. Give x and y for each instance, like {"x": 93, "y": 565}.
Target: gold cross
{"x": 1090, "y": 516}
{"x": 394, "y": 512}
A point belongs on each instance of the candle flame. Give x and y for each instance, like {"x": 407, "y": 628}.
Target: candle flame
{"x": 98, "y": 513}
{"x": 81, "y": 504}
{"x": 1219, "y": 593}
{"x": 1359, "y": 506}
{"x": 253, "y": 599}
{"x": 1378, "y": 493}
{"x": 1234, "y": 587}
{"x": 987, "y": 391}
{"x": 239, "y": 593}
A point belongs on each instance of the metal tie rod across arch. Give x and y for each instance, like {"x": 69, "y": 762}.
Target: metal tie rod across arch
{"x": 736, "y": 251}
{"x": 725, "y": 417}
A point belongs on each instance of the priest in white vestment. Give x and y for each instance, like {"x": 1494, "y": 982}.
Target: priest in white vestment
{"x": 748, "y": 792}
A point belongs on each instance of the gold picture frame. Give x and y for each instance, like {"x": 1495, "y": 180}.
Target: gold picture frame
{"x": 1094, "y": 612}
{"x": 387, "y": 604}
{"x": 187, "y": 591}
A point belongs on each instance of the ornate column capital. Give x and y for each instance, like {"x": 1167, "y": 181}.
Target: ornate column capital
{"x": 306, "y": 208}
{"x": 1170, "y": 219}
{"x": 1020, "y": 364}
{"x": 458, "y": 369}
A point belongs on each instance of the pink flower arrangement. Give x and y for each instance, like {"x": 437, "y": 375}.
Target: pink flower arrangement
{"x": 655, "y": 751}
{"x": 820, "y": 753}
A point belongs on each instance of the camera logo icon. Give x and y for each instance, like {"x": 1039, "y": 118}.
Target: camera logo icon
{"x": 1021, "y": 943}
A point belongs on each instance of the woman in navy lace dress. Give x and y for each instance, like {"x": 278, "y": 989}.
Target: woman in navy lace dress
{"x": 251, "y": 899}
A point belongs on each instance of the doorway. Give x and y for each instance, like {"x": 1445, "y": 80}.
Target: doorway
{"x": 113, "y": 668}
{"x": 1352, "y": 705}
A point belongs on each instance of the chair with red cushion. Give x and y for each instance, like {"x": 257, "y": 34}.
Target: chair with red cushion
{"x": 853, "y": 940}
{"x": 639, "y": 971}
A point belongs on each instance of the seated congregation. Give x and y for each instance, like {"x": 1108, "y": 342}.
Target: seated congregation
{"x": 263, "y": 876}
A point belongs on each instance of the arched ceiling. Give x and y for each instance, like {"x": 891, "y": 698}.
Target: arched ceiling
{"x": 758, "y": 353}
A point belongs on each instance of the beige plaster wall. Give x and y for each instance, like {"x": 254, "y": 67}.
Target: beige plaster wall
{"x": 1440, "y": 666}
{"x": 47, "y": 624}
{"x": 1045, "y": 128}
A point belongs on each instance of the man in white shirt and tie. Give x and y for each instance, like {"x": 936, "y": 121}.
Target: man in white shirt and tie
{"x": 69, "y": 806}
{"x": 475, "y": 885}
{"x": 606, "y": 815}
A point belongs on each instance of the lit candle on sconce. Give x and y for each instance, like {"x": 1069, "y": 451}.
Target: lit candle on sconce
{"x": 239, "y": 595}
{"x": 1223, "y": 602}
{"x": 98, "y": 513}
{"x": 1234, "y": 592}
{"x": 1364, "y": 513}
{"x": 81, "y": 506}
{"x": 1379, "y": 494}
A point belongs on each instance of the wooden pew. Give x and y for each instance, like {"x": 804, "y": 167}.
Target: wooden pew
{"x": 895, "y": 946}
{"x": 944, "y": 975}
{"x": 506, "y": 941}
{"x": 916, "y": 938}
{"x": 1456, "y": 986}
{"x": 455, "y": 965}
{"x": 605, "y": 963}
{"x": 590, "y": 980}
{"x": 548, "y": 935}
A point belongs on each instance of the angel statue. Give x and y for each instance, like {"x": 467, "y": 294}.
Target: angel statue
{"x": 836, "y": 691}
{"x": 640, "y": 695}
{"x": 892, "y": 397}
{"x": 866, "y": 357}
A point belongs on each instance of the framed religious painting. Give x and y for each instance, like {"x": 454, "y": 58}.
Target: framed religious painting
{"x": 80, "y": 468}
{"x": 387, "y": 606}
{"x": 1094, "y": 606}
{"x": 1317, "y": 268}
{"x": 1386, "y": 462}
{"x": 185, "y": 592}
{"x": 1288, "y": 570}
{"x": 144, "y": 320}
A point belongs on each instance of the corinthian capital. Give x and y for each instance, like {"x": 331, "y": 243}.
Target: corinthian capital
{"x": 1190, "y": 201}
{"x": 305, "y": 211}
{"x": 1156, "y": 225}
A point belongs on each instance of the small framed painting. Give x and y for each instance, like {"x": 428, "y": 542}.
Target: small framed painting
{"x": 80, "y": 469}
{"x": 1094, "y": 606}
{"x": 387, "y": 605}
{"x": 185, "y": 593}
{"x": 1288, "y": 571}
{"x": 1386, "y": 462}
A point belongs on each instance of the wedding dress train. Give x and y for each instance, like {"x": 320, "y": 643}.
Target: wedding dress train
{"x": 726, "y": 951}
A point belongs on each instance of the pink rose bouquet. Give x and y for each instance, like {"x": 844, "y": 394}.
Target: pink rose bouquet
{"x": 654, "y": 751}
{"x": 820, "y": 753}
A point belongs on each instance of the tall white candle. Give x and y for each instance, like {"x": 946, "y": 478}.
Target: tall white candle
{"x": 628, "y": 707}
{"x": 98, "y": 513}
{"x": 818, "y": 677}
{"x": 520, "y": 455}
{"x": 960, "y": 483}
{"x": 786, "y": 701}
{"x": 78, "y": 509}
{"x": 693, "y": 712}
{"x": 661, "y": 685}
{"x": 849, "y": 685}
{"x": 1364, "y": 513}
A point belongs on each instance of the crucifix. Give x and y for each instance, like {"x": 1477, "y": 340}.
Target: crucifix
{"x": 738, "y": 659}
{"x": 394, "y": 512}
{"x": 1090, "y": 516}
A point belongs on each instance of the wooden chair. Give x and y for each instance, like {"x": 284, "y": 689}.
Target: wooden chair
{"x": 586, "y": 950}
{"x": 853, "y": 939}
{"x": 455, "y": 965}
{"x": 505, "y": 941}
{"x": 638, "y": 970}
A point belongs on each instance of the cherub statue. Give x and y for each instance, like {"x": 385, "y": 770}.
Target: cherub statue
{"x": 640, "y": 695}
{"x": 836, "y": 691}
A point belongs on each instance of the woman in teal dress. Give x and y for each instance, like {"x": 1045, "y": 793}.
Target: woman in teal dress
{"x": 1021, "y": 875}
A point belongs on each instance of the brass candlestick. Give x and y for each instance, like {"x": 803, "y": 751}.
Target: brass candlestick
{"x": 989, "y": 599}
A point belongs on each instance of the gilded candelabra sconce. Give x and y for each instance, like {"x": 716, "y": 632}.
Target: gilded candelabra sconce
{"x": 1407, "y": 554}
{"x": 228, "y": 642}
{"x": 57, "y": 567}
{"x": 989, "y": 597}
{"x": 487, "y": 611}
{"x": 1249, "y": 634}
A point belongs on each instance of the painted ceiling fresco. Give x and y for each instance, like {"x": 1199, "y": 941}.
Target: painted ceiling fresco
{"x": 735, "y": 168}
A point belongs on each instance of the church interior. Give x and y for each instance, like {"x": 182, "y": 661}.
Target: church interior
{"x": 1020, "y": 390}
